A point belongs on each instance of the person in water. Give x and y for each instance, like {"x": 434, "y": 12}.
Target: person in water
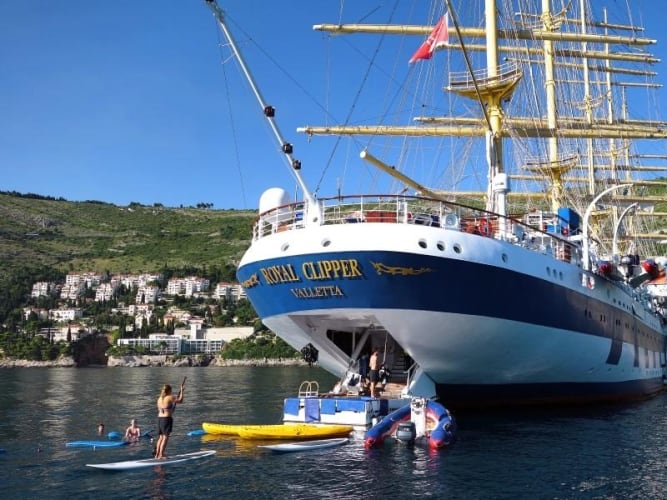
{"x": 133, "y": 432}
{"x": 166, "y": 404}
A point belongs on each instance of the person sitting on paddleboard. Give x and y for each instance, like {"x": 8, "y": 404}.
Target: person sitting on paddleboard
{"x": 133, "y": 432}
{"x": 166, "y": 404}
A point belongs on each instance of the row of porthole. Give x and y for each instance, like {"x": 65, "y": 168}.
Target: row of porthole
{"x": 554, "y": 273}
{"x": 440, "y": 246}
{"x": 624, "y": 306}
{"x": 422, "y": 243}
{"x": 456, "y": 247}
{"x": 603, "y": 319}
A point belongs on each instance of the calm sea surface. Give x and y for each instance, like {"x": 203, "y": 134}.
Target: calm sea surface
{"x": 609, "y": 452}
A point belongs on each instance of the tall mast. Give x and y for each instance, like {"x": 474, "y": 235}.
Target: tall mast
{"x": 588, "y": 100}
{"x": 269, "y": 111}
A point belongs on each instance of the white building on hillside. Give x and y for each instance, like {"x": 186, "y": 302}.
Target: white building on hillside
{"x": 43, "y": 289}
{"x": 230, "y": 291}
{"x": 65, "y": 314}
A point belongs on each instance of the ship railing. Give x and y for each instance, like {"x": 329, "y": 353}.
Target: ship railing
{"x": 410, "y": 372}
{"x": 506, "y": 74}
{"x": 309, "y": 389}
{"x": 401, "y": 209}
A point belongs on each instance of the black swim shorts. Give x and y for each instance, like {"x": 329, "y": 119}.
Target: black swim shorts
{"x": 164, "y": 425}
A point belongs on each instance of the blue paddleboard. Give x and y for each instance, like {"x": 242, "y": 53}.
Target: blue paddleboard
{"x": 95, "y": 444}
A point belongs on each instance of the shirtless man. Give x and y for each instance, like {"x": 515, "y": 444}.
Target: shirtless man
{"x": 374, "y": 365}
{"x": 133, "y": 432}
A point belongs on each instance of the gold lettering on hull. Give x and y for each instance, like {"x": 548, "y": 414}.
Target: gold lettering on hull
{"x": 314, "y": 270}
{"x": 317, "y": 292}
{"x": 250, "y": 282}
{"x": 321, "y": 270}
{"x": 279, "y": 274}
{"x": 403, "y": 271}
{"x": 331, "y": 269}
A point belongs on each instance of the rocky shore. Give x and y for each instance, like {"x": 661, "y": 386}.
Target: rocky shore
{"x": 156, "y": 360}
{"x": 62, "y": 362}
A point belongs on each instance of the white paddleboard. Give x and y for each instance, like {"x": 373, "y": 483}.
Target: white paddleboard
{"x": 317, "y": 444}
{"x": 151, "y": 462}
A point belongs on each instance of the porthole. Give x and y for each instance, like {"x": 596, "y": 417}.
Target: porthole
{"x": 457, "y": 248}
{"x": 504, "y": 258}
{"x": 284, "y": 247}
{"x": 326, "y": 242}
{"x": 548, "y": 271}
{"x": 422, "y": 243}
{"x": 440, "y": 245}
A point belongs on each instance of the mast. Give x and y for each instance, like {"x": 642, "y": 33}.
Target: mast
{"x": 269, "y": 111}
{"x": 555, "y": 167}
{"x": 588, "y": 99}
{"x": 494, "y": 143}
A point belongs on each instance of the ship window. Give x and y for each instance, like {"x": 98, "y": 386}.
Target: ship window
{"x": 548, "y": 271}
{"x": 504, "y": 257}
{"x": 457, "y": 248}
{"x": 422, "y": 243}
{"x": 441, "y": 246}
{"x": 284, "y": 247}
{"x": 560, "y": 275}
{"x": 326, "y": 243}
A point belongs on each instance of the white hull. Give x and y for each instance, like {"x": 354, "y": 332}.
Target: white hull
{"x": 462, "y": 349}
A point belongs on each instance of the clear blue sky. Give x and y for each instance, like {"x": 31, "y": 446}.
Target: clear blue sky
{"x": 129, "y": 100}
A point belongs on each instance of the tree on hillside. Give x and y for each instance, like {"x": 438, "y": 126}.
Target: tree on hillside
{"x": 245, "y": 314}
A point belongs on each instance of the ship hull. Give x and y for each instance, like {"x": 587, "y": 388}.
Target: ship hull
{"x": 489, "y": 322}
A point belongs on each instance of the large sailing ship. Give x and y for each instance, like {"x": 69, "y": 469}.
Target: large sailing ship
{"x": 546, "y": 286}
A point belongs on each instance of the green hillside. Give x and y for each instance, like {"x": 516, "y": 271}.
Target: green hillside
{"x": 94, "y": 236}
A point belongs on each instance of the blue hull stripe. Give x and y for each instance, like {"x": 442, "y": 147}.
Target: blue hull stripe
{"x": 391, "y": 280}
{"x": 476, "y": 396}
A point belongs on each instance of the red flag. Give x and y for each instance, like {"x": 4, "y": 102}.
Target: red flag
{"x": 438, "y": 38}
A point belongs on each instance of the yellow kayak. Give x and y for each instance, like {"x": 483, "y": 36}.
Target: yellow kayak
{"x": 294, "y": 431}
{"x": 277, "y": 431}
{"x": 223, "y": 429}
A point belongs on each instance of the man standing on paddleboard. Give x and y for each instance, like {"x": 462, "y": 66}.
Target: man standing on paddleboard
{"x": 166, "y": 405}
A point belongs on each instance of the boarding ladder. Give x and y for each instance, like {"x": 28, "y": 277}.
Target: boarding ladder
{"x": 309, "y": 389}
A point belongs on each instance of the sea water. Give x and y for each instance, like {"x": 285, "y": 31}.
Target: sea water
{"x": 598, "y": 452}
